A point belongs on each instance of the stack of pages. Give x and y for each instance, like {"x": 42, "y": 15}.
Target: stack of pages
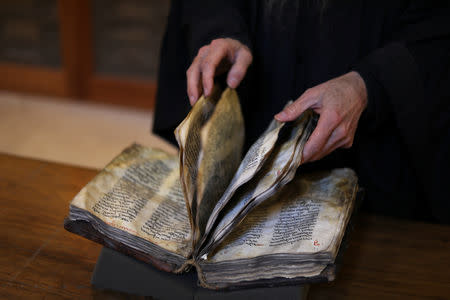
{"x": 239, "y": 221}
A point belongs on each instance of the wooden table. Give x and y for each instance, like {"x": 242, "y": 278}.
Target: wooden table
{"x": 386, "y": 258}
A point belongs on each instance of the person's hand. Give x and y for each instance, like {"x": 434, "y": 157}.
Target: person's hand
{"x": 214, "y": 59}
{"x": 340, "y": 103}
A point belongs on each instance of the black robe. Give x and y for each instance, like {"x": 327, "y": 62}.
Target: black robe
{"x": 401, "y": 49}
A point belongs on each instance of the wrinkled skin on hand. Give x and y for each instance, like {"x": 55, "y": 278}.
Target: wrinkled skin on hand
{"x": 339, "y": 101}
{"x": 220, "y": 56}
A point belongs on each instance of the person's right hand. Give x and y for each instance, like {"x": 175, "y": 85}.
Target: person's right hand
{"x": 214, "y": 59}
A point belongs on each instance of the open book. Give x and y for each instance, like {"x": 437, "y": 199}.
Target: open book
{"x": 240, "y": 222}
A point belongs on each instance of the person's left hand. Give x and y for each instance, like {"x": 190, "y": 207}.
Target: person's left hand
{"x": 340, "y": 103}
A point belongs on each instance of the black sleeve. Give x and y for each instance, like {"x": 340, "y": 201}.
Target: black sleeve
{"x": 191, "y": 24}
{"x": 205, "y": 20}
{"x": 172, "y": 103}
{"x": 408, "y": 84}
{"x": 409, "y": 65}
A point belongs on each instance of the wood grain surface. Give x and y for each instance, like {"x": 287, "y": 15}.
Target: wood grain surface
{"x": 38, "y": 258}
{"x": 385, "y": 259}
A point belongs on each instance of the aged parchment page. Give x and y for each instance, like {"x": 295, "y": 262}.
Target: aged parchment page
{"x": 308, "y": 216}
{"x": 140, "y": 192}
{"x": 188, "y": 138}
{"x": 222, "y": 139}
{"x": 251, "y": 163}
{"x": 298, "y": 152}
{"x": 267, "y": 180}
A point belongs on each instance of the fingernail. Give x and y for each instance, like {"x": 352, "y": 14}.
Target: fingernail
{"x": 232, "y": 82}
{"x": 281, "y": 116}
{"x": 192, "y": 98}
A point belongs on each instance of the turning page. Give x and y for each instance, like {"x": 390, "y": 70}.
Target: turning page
{"x": 222, "y": 140}
{"x": 272, "y": 176}
{"x": 252, "y": 162}
{"x": 187, "y": 135}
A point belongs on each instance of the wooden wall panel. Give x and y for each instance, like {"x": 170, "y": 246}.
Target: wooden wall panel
{"x": 32, "y": 79}
{"x": 134, "y": 93}
{"x": 75, "y": 24}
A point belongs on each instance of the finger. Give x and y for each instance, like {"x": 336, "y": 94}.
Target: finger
{"x": 239, "y": 68}
{"x": 193, "y": 81}
{"x": 295, "y": 109}
{"x": 329, "y": 149}
{"x": 334, "y": 142}
{"x": 209, "y": 65}
{"x": 319, "y": 137}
